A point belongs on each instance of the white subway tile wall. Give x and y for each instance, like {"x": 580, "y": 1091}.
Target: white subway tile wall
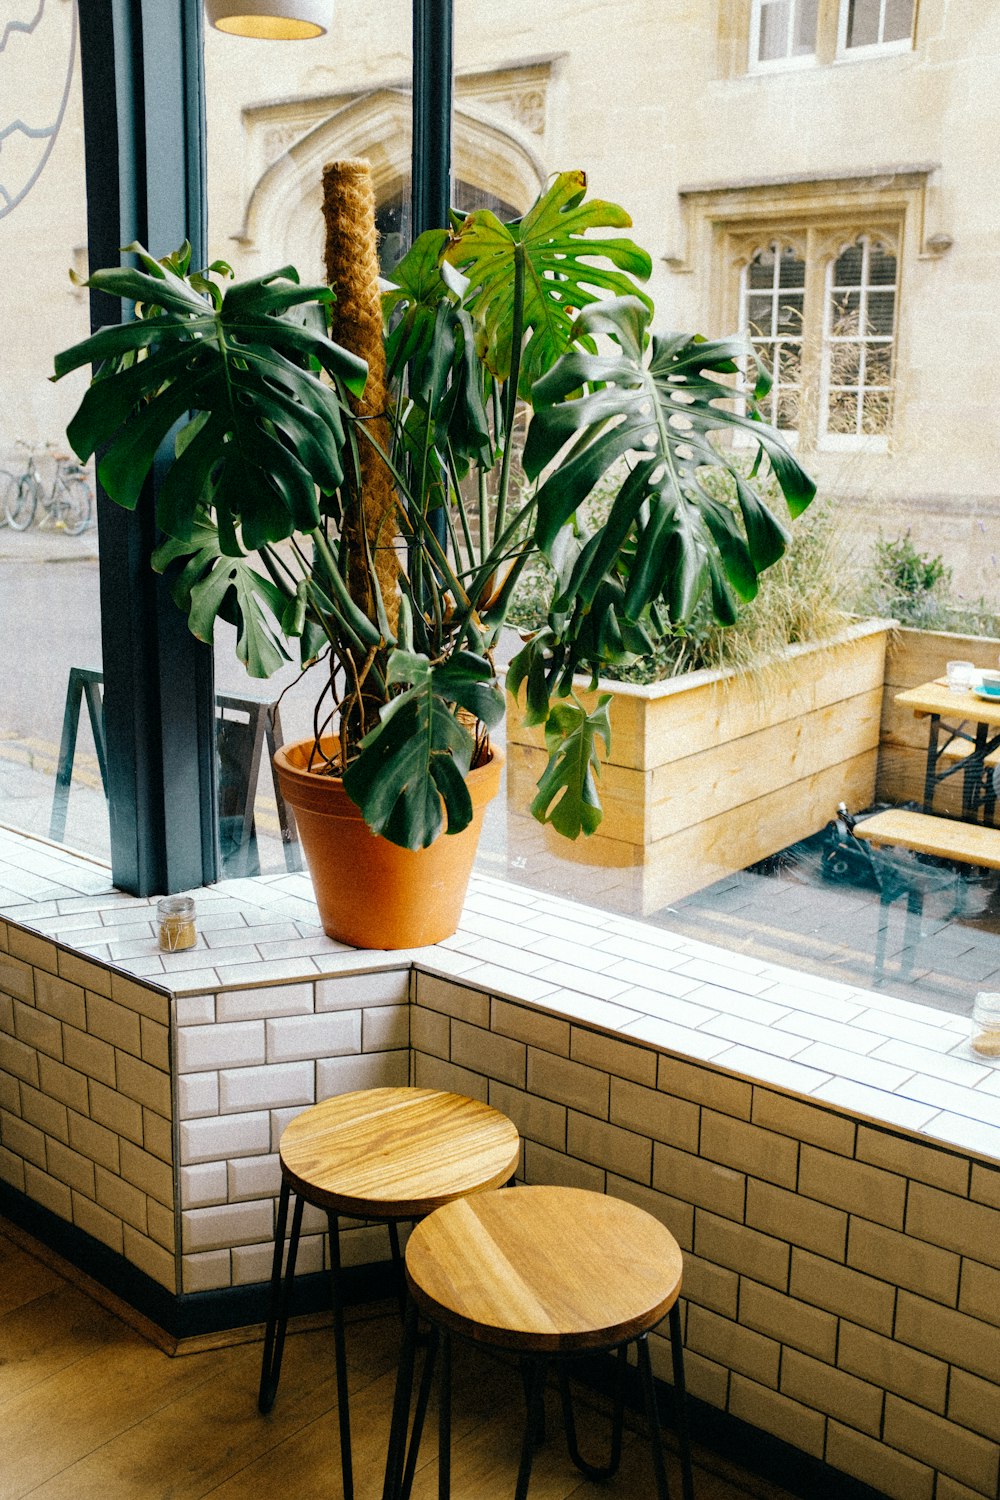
{"x": 827, "y": 1157}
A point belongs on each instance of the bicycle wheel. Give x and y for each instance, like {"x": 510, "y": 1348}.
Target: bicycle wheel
{"x": 19, "y": 504}
{"x": 77, "y": 507}
{"x": 8, "y": 488}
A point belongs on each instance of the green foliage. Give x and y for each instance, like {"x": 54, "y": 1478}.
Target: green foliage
{"x": 268, "y": 426}
{"x": 547, "y": 311}
{"x": 805, "y": 596}
{"x": 916, "y": 589}
{"x": 418, "y": 754}
{"x": 567, "y": 790}
{"x": 668, "y": 539}
{"x": 554, "y": 262}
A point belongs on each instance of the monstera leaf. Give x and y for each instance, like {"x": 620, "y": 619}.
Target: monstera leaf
{"x": 558, "y": 269}
{"x": 414, "y": 763}
{"x": 567, "y": 789}
{"x": 667, "y": 539}
{"x": 431, "y": 339}
{"x": 211, "y": 586}
{"x": 250, "y": 362}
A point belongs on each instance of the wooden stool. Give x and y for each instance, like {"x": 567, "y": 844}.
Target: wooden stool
{"x": 546, "y": 1273}
{"x": 386, "y": 1154}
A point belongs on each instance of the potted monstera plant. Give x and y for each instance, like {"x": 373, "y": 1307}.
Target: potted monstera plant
{"x": 352, "y": 483}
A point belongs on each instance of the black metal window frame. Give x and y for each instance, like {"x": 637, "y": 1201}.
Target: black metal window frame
{"x": 144, "y": 128}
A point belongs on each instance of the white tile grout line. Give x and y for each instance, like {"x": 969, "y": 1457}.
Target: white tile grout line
{"x": 761, "y": 1020}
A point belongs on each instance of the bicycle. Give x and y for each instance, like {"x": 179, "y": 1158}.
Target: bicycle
{"x": 67, "y": 504}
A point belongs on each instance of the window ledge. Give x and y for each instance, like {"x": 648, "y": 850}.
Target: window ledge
{"x": 863, "y": 1052}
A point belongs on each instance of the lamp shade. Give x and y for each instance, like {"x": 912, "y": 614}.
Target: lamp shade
{"x": 272, "y": 20}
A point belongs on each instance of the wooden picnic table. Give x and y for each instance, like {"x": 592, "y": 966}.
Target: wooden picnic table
{"x": 964, "y": 732}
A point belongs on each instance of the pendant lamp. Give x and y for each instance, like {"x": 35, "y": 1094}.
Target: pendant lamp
{"x": 272, "y": 20}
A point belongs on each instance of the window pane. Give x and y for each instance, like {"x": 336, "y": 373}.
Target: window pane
{"x": 845, "y": 364}
{"x": 881, "y": 267}
{"x": 846, "y": 317}
{"x": 793, "y": 271}
{"x": 843, "y": 414}
{"x": 773, "y": 30}
{"x": 881, "y": 312}
{"x": 789, "y": 313}
{"x": 49, "y": 595}
{"x": 875, "y": 412}
{"x": 847, "y": 270}
{"x": 863, "y": 23}
{"x": 759, "y": 314}
{"x": 878, "y": 365}
{"x": 805, "y": 27}
{"x": 898, "y": 20}
{"x": 788, "y": 363}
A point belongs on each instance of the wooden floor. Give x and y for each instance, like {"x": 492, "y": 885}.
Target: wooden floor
{"x": 90, "y": 1409}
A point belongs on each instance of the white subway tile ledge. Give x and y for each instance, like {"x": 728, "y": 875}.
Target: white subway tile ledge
{"x": 737, "y": 1015}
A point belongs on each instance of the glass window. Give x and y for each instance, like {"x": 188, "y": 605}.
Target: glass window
{"x": 858, "y": 341}
{"x": 773, "y": 307}
{"x": 782, "y": 31}
{"x": 876, "y": 23}
{"x": 864, "y": 292}
{"x": 49, "y": 594}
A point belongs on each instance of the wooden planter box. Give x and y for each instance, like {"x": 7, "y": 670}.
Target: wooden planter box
{"x": 913, "y": 657}
{"x": 713, "y": 771}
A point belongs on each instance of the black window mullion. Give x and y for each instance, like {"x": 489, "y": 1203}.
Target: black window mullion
{"x": 144, "y": 135}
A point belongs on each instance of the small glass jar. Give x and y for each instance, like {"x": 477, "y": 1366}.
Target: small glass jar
{"x": 175, "y": 923}
{"x": 960, "y": 676}
{"x": 986, "y": 1024}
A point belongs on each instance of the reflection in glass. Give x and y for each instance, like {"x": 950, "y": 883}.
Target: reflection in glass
{"x": 49, "y": 604}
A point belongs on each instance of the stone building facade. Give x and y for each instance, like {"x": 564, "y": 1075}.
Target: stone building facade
{"x": 822, "y": 169}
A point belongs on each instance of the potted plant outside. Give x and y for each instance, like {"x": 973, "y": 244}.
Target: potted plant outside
{"x": 386, "y": 541}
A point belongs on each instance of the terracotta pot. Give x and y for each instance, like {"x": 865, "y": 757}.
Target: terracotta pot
{"x": 371, "y": 893}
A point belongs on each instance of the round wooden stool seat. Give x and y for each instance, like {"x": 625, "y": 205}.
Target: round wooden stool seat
{"x": 547, "y": 1269}
{"x": 548, "y": 1273}
{"x": 396, "y": 1153}
{"x": 383, "y": 1154}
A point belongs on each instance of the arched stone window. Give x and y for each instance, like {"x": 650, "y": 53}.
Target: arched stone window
{"x": 492, "y": 165}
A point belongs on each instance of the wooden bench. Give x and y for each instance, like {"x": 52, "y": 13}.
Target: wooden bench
{"x": 948, "y": 838}
{"x": 945, "y": 838}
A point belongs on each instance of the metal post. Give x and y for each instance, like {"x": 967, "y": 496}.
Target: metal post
{"x": 432, "y": 91}
{"x": 144, "y": 135}
{"x": 433, "y": 68}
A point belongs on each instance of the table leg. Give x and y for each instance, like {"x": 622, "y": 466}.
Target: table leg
{"x": 930, "y": 775}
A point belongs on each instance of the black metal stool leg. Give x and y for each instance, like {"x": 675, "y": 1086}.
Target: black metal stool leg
{"x": 340, "y": 1353}
{"x": 444, "y": 1419}
{"x": 536, "y": 1413}
{"x": 277, "y": 1313}
{"x": 652, "y": 1417}
{"x": 680, "y": 1397}
{"x": 527, "y": 1367}
{"x": 423, "y": 1397}
{"x": 593, "y": 1471}
{"x": 397, "y": 1266}
{"x": 401, "y": 1407}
